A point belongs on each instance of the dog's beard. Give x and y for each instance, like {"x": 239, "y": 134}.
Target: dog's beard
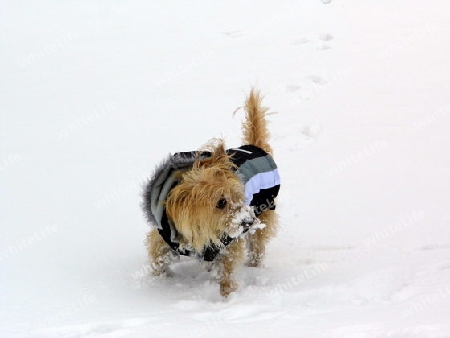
{"x": 243, "y": 220}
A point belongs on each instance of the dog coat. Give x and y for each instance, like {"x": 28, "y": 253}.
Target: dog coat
{"x": 256, "y": 169}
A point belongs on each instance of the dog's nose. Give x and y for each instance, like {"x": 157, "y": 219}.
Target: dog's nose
{"x": 246, "y": 223}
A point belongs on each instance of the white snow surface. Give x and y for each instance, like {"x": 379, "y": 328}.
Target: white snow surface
{"x": 95, "y": 93}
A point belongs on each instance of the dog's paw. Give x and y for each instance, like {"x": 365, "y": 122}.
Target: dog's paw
{"x": 162, "y": 271}
{"x": 254, "y": 260}
{"x": 208, "y": 266}
{"x": 227, "y": 287}
{"x": 158, "y": 269}
{"x": 160, "y": 266}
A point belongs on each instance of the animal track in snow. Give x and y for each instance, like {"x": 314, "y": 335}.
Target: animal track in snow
{"x": 317, "y": 79}
{"x": 301, "y": 135}
{"x": 292, "y": 88}
{"x": 320, "y": 43}
{"x": 435, "y": 247}
{"x": 326, "y": 37}
{"x": 300, "y": 41}
{"x": 323, "y": 46}
{"x": 233, "y": 34}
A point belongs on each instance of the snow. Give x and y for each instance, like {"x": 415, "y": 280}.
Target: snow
{"x": 242, "y": 220}
{"x": 94, "y": 94}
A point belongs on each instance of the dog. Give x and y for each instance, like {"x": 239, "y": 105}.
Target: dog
{"x": 213, "y": 203}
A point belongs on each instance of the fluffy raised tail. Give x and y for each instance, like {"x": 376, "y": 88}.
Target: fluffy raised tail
{"x": 255, "y": 126}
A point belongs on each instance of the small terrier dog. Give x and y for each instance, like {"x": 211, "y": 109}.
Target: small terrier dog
{"x": 214, "y": 202}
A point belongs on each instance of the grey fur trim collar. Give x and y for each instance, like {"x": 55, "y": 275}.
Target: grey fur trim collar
{"x": 162, "y": 181}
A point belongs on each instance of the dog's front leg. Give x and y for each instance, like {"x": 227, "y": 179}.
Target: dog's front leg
{"x": 227, "y": 261}
{"x": 159, "y": 252}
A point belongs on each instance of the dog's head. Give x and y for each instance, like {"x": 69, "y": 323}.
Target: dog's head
{"x": 208, "y": 202}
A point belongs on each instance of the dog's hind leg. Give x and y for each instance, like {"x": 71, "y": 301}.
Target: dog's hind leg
{"x": 159, "y": 252}
{"x": 257, "y": 242}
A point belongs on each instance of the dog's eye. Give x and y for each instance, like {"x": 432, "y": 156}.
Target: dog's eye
{"x": 222, "y": 203}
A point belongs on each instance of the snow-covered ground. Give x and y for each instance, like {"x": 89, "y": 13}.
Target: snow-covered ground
{"x": 95, "y": 93}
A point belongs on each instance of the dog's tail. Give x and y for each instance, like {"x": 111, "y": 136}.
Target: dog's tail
{"x": 255, "y": 126}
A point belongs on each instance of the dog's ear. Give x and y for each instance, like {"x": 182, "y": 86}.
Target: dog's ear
{"x": 219, "y": 156}
{"x": 219, "y": 152}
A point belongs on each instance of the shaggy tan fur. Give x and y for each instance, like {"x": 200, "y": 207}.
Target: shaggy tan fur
{"x": 192, "y": 205}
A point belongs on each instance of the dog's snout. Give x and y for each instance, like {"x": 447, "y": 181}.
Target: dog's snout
{"x": 247, "y": 222}
{"x": 246, "y": 217}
